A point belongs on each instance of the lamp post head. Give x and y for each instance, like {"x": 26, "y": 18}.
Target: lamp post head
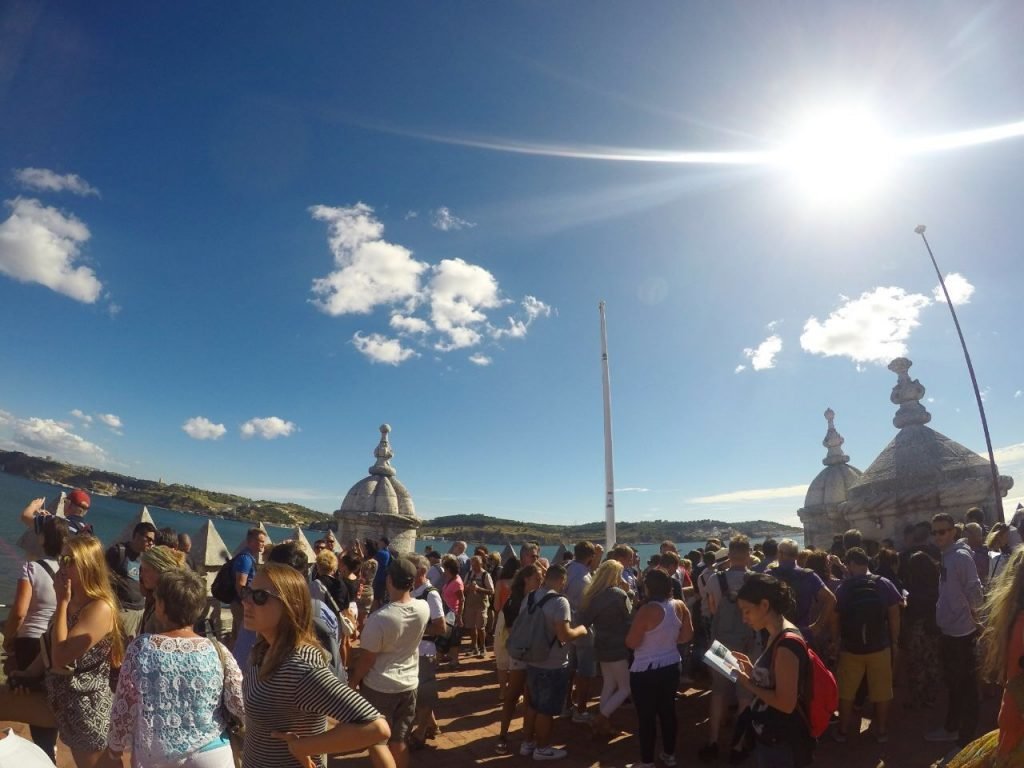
{"x": 919, "y": 229}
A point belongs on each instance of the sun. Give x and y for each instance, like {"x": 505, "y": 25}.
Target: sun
{"x": 838, "y": 156}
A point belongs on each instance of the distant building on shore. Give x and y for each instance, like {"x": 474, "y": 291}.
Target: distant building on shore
{"x": 919, "y": 473}
{"x": 379, "y": 505}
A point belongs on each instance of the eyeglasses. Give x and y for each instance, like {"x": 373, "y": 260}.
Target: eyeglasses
{"x": 64, "y": 560}
{"x": 258, "y": 596}
{"x": 940, "y": 531}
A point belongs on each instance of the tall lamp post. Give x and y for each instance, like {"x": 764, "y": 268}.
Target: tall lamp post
{"x": 919, "y": 229}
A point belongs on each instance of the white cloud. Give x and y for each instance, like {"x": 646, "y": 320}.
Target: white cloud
{"x": 411, "y": 215}
{"x": 268, "y": 428}
{"x": 112, "y": 421}
{"x": 1018, "y": 393}
{"x": 371, "y": 271}
{"x": 45, "y": 180}
{"x": 763, "y": 356}
{"x": 51, "y": 438}
{"x": 518, "y": 326}
{"x": 873, "y": 328}
{"x": 380, "y": 349}
{"x": 444, "y": 305}
{"x": 446, "y": 221}
{"x": 756, "y": 494}
{"x": 739, "y": 369}
{"x": 82, "y": 416}
{"x": 458, "y": 294}
{"x": 1008, "y": 456}
{"x": 404, "y": 324}
{"x": 960, "y": 290}
{"x": 39, "y": 244}
{"x": 480, "y": 359}
{"x": 632, "y": 490}
{"x": 201, "y": 428}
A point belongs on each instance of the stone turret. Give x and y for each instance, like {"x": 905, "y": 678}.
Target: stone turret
{"x": 921, "y": 472}
{"x": 379, "y": 505}
{"x": 820, "y": 513}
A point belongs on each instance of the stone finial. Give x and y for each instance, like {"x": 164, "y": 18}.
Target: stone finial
{"x": 834, "y": 442}
{"x": 384, "y": 454}
{"x": 907, "y": 395}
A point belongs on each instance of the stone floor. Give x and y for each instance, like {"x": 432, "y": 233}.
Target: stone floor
{"x": 468, "y": 716}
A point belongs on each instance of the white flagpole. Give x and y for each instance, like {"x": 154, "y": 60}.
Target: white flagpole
{"x": 609, "y": 471}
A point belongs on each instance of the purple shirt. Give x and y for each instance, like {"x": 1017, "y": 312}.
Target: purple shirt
{"x": 806, "y": 585}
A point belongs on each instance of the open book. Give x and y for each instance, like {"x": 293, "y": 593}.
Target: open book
{"x": 720, "y": 659}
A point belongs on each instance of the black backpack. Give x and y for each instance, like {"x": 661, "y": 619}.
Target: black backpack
{"x": 863, "y": 617}
{"x": 223, "y": 587}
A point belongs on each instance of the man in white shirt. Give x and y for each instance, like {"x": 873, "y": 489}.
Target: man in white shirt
{"x": 388, "y": 668}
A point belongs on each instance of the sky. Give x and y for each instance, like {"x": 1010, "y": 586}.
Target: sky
{"x": 233, "y": 245}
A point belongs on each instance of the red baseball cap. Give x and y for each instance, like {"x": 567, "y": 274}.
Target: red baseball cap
{"x": 79, "y": 498}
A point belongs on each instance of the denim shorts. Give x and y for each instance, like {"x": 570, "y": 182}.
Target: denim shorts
{"x": 548, "y": 689}
{"x": 582, "y": 658}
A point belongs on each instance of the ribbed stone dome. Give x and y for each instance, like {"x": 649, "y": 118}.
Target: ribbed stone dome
{"x": 828, "y": 490}
{"x": 919, "y": 459}
{"x": 380, "y": 493}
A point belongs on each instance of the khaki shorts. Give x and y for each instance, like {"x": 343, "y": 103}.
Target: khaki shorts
{"x": 876, "y": 666}
{"x": 399, "y": 709}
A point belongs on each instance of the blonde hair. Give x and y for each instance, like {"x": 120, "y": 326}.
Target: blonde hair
{"x": 295, "y": 628}
{"x": 94, "y": 578}
{"x": 1001, "y": 608}
{"x": 326, "y": 563}
{"x": 163, "y": 559}
{"x": 608, "y": 575}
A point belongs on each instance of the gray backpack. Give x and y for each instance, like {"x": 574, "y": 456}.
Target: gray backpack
{"x": 529, "y": 639}
{"x": 727, "y": 624}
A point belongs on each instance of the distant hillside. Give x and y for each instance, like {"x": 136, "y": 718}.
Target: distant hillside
{"x": 181, "y": 498}
{"x": 493, "y": 530}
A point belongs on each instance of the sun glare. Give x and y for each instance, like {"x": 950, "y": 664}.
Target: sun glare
{"x": 838, "y": 156}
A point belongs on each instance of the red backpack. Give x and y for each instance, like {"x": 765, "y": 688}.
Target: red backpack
{"x": 820, "y": 697}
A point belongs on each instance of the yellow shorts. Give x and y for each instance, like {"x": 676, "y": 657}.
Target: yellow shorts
{"x": 854, "y": 666}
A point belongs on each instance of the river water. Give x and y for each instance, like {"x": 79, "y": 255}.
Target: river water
{"x": 108, "y": 516}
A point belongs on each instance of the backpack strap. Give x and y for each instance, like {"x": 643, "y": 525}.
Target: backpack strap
{"x": 802, "y": 699}
{"x": 46, "y": 567}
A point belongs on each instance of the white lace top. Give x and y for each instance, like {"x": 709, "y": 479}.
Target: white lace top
{"x": 168, "y": 701}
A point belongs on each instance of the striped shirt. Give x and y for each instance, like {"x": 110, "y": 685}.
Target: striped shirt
{"x": 298, "y": 697}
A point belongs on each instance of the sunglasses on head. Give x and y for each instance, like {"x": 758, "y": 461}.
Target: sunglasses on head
{"x": 258, "y": 596}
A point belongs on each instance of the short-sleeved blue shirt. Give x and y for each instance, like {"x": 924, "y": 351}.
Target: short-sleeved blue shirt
{"x": 245, "y": 563}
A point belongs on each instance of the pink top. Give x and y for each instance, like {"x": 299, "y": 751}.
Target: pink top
{"x": 452, "y": 594}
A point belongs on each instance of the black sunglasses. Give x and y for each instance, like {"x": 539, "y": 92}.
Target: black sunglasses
{"x": 258, "y": 596}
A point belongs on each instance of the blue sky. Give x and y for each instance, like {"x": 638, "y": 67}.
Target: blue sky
{"x": 234, "y": 244}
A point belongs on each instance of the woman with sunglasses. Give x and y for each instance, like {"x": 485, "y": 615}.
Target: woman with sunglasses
{"x": 83, "y": 641}
{"x": 290, "y": 692}
{"x": 175, "y": 686}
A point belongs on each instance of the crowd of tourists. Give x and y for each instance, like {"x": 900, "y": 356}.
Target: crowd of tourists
{"x": 118, "y": 649}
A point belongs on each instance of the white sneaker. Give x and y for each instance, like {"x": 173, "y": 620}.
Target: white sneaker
{"x": 582, "y": 717}
{"x": 941, "y": 734}
{"x": 668, "y": 760}
{"x": 549, "y": 753}
{"x": 527, "y": 748}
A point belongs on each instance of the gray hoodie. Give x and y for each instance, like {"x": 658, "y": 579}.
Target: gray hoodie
{"x": 960, "y": 594}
